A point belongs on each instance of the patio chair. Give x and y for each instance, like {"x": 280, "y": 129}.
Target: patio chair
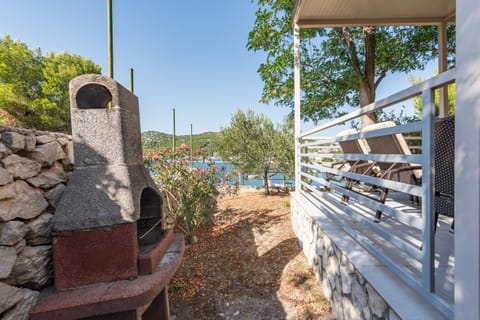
{"x": 402, "y": 172}
{"x": 357, "y": 146}
{"x": 444, "y": 135}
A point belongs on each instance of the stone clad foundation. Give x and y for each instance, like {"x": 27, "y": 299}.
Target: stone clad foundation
{"x": 34, "y": 169}
{"x": 351, "y": 295}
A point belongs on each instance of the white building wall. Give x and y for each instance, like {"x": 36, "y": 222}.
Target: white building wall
{"x": 467, "y": 162}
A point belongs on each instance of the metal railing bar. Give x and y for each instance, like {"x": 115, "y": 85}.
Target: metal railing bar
{"x": 399, "y": 129}
{"x": 322, "y": 181}
{"x": 397, "y": 214}
{"x": 371, "y": 203}
{"x": 379, "y": 182}
{"x": 411, "y": 250}
{"x": 390, "y": 184}
{"x": 401, "y": 158}
{"x": 317, "y": 138}
{"x": 317, "y": 143}
{"x": 411, "y": 230}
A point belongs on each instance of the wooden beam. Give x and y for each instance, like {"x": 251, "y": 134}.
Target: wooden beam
{"x": 297, "y": 11}
{"x": 326, "y": 23}
{"x": 297, "y": 101}
{"x": 451, "y": 17}
{"x": 442, "y": 66}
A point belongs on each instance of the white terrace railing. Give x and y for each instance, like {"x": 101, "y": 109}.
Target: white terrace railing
{"x": 405, "y": 238}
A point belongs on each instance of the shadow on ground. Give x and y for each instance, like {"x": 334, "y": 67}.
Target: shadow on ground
{"x": 225, "y": 277}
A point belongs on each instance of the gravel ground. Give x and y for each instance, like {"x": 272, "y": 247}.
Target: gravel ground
{"x": 247, "y": 264}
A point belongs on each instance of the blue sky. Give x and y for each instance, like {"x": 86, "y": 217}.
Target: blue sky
{"x": 188, "y": 55}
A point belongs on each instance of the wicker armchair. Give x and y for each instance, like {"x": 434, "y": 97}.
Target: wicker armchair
{"x": 444, "y": 167}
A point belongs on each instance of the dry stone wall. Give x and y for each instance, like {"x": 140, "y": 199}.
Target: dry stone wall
{"x": 34, "y": 169}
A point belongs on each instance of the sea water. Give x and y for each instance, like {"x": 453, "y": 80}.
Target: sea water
{"x": 247, "y": 179}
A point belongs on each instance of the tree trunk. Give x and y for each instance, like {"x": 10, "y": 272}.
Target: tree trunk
{"x": 366, "y": 73}
{"x": 265, "y": 181}
{"x": 366, "y": 99}
{"x": 367, "y": 84}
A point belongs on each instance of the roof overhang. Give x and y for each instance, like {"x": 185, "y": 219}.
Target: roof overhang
{"x": 335, "y": 13}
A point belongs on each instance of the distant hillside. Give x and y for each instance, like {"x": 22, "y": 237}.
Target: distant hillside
{"x": 154, "y": 140}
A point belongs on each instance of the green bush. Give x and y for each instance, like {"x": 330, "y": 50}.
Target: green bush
{"x": 190, "y": 193}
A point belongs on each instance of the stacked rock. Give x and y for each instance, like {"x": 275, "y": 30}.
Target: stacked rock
{"x": 34, "y": 169}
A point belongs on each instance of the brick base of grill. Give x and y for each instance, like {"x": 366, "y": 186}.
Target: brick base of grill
{"x": 85, "y": 257}
{"x": 142, "y": 298}
{"x": 149, "y": 256}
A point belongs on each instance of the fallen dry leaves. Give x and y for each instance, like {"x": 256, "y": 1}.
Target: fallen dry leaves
{"x": 247, "y": 264}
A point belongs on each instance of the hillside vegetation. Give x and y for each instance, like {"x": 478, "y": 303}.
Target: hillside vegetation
{"x": 154, "y": 141}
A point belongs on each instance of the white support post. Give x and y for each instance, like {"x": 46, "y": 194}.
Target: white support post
{"x": 467, "y": 162}
{"x": 428, "y": 183}
{"x": 442, "y": 67}
{"x": 297, "y": 93}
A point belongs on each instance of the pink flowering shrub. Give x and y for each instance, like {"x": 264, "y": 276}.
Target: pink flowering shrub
{"x": 190, "y": 193}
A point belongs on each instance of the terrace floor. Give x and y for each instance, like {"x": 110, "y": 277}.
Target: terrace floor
{"x": 444, "y": 240}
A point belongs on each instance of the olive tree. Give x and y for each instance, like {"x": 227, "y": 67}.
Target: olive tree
{"x": 253, "y": 144}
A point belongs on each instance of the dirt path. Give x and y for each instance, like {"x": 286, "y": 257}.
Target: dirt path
{"x": 247, "y": 264}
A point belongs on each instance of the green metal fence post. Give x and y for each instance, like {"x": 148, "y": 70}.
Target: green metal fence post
{"x": 110, "y": 38}
{"x": 173, "y": 137}
{"x": 131, "y": 80}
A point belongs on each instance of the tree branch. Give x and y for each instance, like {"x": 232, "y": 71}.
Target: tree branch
{"x": 382, "y": 76}
{"x": 347, "y": 41}
{"x": 369, "y": 34}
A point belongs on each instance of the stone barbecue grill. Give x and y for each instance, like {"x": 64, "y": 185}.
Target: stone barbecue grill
{"x": 109, "y": 226}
